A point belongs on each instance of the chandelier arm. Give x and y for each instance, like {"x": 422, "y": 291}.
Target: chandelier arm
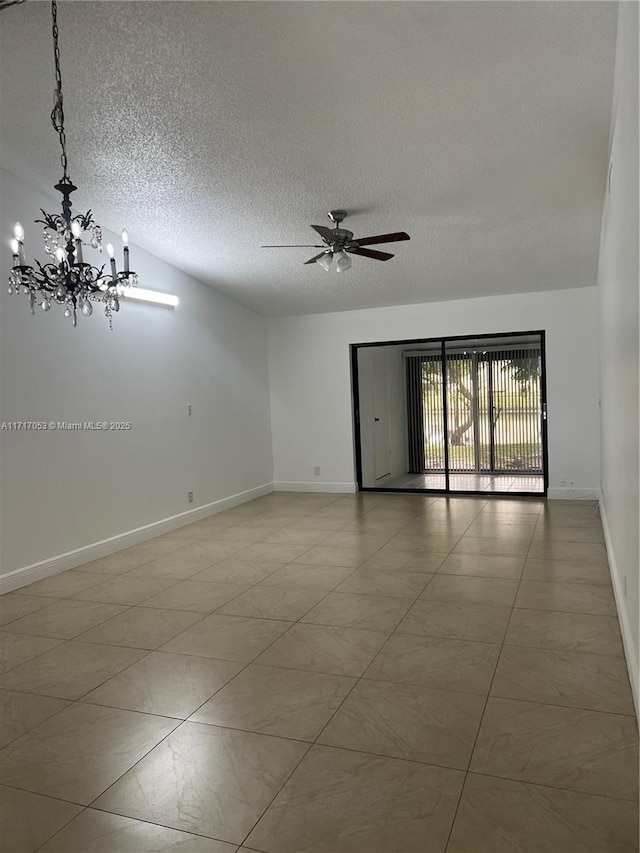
{"x": 43, "y": 278}
{"x": 50, "y": 220}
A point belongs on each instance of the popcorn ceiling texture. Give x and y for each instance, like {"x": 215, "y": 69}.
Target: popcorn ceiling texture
{"x": 210, "y": 128}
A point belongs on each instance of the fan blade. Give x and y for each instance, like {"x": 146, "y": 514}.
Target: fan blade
{"x": 296, "y": 246}
{"x": 313, "y": 260}
{"x": 325, "y": 233}
{"x": 383, "y": 238}
{"x": 370, "y": 253}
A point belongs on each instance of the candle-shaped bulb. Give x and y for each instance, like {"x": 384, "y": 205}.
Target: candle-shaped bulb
{"x": 111, "y": 253}
{"x": 125, "y": 249}
{"x": 76, "y": 230}
{"x": 18, "y": 233}
{"x": 60, "y": 255}
{"x": 15, "y": 251}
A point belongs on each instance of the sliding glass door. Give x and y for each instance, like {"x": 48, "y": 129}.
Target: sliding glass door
{"x": 495, "y": 414}
{"x": 425, "y": 421}
{"x": 474, "y": 413}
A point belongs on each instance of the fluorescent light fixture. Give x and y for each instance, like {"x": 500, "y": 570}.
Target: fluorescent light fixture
{"x": 141, "y": 294}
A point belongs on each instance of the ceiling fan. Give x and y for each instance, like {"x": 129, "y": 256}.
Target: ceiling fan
{"x": 337, "y": 242}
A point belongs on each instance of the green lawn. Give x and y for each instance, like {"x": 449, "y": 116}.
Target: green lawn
{"x": 512, "y": 457}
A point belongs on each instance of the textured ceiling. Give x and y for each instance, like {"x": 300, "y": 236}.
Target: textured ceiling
{"x": 210, "y": 128}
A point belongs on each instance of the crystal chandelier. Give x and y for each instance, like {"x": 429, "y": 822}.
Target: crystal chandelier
{"x": 66, "y": 278}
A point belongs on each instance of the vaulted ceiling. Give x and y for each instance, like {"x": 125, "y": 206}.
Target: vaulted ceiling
{"x": 210, "y": 128}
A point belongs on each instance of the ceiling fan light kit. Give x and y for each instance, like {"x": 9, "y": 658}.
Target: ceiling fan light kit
{"x": 341, "y": 262}
{"x": 325, "y": 261}
{"x": 338, "y": 244}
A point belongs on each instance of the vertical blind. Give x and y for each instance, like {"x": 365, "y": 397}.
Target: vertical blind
{"x": 415, "y": 412}
{"x": 515, "y": 404}
{"x": 493, "y": 401}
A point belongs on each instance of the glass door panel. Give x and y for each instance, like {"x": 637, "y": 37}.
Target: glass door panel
{"x": 461, "y": 404}
{"x": 433, "y": 415}
{"x": 517, "y": 408}
{"x": 494, "y": 414}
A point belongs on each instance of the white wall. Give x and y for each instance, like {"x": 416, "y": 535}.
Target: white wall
{"x": 618, "y": 290}
{"x": 310, "y": 381}
{"x": 63, "y": 491}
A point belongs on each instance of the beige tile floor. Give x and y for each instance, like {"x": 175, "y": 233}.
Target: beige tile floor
{"x": 376, "y": 673}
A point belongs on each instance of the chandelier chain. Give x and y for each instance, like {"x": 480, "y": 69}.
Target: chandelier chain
{"x": 57, "y": 114}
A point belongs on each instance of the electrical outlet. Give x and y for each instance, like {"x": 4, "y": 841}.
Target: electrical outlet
{"x": 190, "y": 497}
{"x": 316, "y": 470}
{"x": 563, "y": 481}
{"x": 189, "y": 409}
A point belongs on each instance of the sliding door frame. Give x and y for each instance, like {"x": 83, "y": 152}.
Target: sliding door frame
{"x": 443, "y": 341}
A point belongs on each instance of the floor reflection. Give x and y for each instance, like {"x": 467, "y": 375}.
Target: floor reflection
{"x": 469, "y": 482}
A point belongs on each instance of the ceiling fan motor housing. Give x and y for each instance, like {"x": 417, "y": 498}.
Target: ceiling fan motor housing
{"x": 340, "y": 238}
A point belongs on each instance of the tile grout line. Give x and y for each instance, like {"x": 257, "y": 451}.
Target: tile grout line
{"x": 360, "y": 678}
{"x": 314, "y": 742}
{"x": 179, "y": 722}
{"x": 299, "y": 620}
{"x": 484, "y": 710}
{"x": 554, "y": 787}
{"x": 150, "y": 651}
{"x": 47, "y": 840}
{"x": 426, "y": 585}
{"x": 278, "y": 792}
{"x": 187, "y": 833}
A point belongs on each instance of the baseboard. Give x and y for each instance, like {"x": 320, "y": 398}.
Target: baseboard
{"x": 625, "y": 628}
{"x": 339, "y": 488}
{"x": 44, "y": 569}
{"x": 569, "y": 493}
